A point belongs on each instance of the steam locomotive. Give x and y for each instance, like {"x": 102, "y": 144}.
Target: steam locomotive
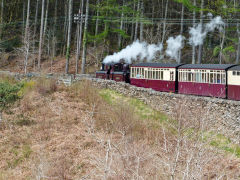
{"x": 115, "y": 71}
{"x": 212, "y": 80}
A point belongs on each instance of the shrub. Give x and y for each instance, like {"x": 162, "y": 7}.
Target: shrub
{"x": 8, "y": 94}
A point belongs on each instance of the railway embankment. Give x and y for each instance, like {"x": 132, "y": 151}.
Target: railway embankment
{"x": 220, "y": 114}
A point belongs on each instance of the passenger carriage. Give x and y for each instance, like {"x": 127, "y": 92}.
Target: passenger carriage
{"x": 234, "y": 83}
{"x": 160, "y": 77}
{"x": 203, "y": 79}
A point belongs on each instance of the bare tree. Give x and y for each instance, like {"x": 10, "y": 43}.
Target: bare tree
{"x": 121, "y": 26}
{"x": 54, "y": 38}
{"x": 164, "y": 22}
{"x": 181, "y": 32}
{"x": 85, "y": 39}
{"x": 69, "y": 35}
{"x": 41, "y": 36}
{"x": 26, "y": 38}
{"x": 97, "y": 22}
{"x": 141, "y": 24}
{"x": 45, "y": 22}
{"x": 137, "y": 20}
{"x": 23, "y": 18}
{"x": 222, "y": 44}
{"x": 200, "y": 48}
{"x": 194, "y": 23}
{"x": 79, "y": 36}
{"x": 65, "y": 27}
{"x": 35, "y": 24}
{"x": 132, "y": 28}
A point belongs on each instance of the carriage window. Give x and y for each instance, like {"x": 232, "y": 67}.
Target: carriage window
{"x": 149, "y": 74}
{"x": 133, "y": 72}
{"x": 154, "y": 74}
{"x": 238, "y": 73}
{"x": 218, "y": 79}
{"x": 234, "y": 73}
{"x": 198, "y": 77}
{"x": 171, "y": 76}
{"x": 203, "y": 77}
{"x": 161, "y": 77}
{"x": 207, "y": 77}
{"x": 190, "y": 76}
{"x": 180, "y": 76}
{"x": 223, "y": 78}
{"x": 211, "y": 77}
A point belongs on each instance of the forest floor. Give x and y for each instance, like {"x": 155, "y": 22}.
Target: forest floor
{"x": 10, "y": 62}
{"x": 82, "y": 132}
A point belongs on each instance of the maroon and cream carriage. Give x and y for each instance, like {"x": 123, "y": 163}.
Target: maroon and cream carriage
{"x": 234, "y": 83}
{"x": 203, "y": 79}
{"x": 160, "y": 77}
{"x": 114, "y": 71}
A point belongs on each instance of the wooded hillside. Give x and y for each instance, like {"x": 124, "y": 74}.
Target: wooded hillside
{"x": 46, "y": 29}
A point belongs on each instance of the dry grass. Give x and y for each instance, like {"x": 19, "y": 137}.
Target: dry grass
{"x": 74, "y": 133}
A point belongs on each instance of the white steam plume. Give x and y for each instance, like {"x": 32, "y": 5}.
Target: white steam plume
{"x": 174, "y": 46}
{"x": 136, "y": 51}
{"x": 198, "y": 34}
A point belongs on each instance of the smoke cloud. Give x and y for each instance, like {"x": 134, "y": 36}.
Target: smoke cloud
{"x": 199, "y": 33}
{"x": 174, "y": 46}
{"x": 136, "y": 51}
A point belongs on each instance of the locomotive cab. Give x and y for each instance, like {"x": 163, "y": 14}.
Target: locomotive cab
{"x": 114, "y": 71}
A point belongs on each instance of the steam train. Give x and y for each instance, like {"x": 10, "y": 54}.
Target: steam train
{"x": 212, "y": 80}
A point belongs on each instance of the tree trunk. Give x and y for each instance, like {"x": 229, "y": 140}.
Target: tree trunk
{"x": 238, "y": 34}
{"x": 238, "y": 48}
{"x": 35, "y": 28}
{"x": 41, "y": 35}
{"x": 164, "y": 22}
{"x": 23, "y": 19}
{"x": 79, "y": 36}
{"x": 152, "y": 29}
{"x": 26, "y": 39}
{"x": 121, "y": 28}
{"x": 65, "y": 28}
{"x": 69, "y": 35}
{"x": 137, "y": 19}
{"x": 1, "y": 27}
{"x": 45, "y": 23}
{"x": 54, "y": 31}
{"x": 181, "y": 32}
{"x": 97, "y": 23}
{"x": 194, "y": 24}
{"x": 222, "y": 44}
{"x": 201, "y": 46}
{"x": 85, "y": 39}
{"x": 141, "y": 24}
{"x": 132, "y": 30}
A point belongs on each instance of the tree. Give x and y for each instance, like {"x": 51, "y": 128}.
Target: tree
{"x": 26, "y": 39}
{"x": 79, "y": 36}
{"x": 194, "y": 23}
{"x": 200, "y": 48}
{"x": 85, "y": 39}
{"x": 41, "y": 37}
{"x": 2, "y": 7}
{"x": 69, "y": 35}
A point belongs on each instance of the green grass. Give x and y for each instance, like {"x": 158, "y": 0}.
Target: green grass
{"x": 221, "y": 142}
{"x": 145, "y": 112}
{"x": 19, "y": 155}
{"x": 142, "y": 110}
